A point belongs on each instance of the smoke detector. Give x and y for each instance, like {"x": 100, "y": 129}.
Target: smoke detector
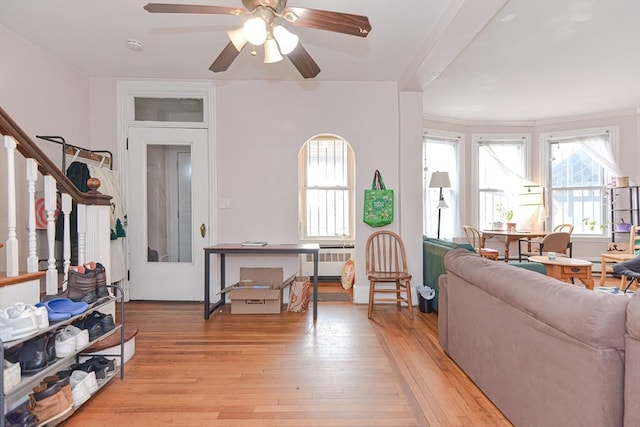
{"x": 135, "y": 45}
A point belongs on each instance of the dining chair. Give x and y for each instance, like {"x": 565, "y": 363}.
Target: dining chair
{"x": 615, "y": 258}
{"x": 629, "y": 272}
{"x": 474, "y": 238}
{"x": 567, "y": 228}
{"x": 386, "y": 263}
{"x": 557, "y": 241}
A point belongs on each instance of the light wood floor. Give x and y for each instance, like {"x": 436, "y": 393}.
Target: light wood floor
{"x": 284, "y": 370}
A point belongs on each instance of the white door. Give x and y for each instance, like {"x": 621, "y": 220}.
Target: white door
{"x": 168, "y": 215}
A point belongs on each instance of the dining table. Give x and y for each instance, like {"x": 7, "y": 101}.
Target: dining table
{"x": 510, "y": 236}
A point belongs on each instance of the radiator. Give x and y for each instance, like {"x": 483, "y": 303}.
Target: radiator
{"x": 330, "y": 262}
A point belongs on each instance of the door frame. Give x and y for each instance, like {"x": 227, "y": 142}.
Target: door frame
{"x": 127, "y": 90}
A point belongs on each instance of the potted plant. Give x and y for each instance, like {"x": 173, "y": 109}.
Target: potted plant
{"x": 592, "y": 224}
{"x": 507, "y": 216}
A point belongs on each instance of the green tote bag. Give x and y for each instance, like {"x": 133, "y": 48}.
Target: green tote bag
{"x": 378, "y": 203}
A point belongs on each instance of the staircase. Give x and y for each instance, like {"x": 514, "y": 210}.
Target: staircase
{"x": 20, "y": 282}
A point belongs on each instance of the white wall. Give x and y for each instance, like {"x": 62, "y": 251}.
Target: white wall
{"x": 44, "y": 97}
{"x": 260, "y": 128}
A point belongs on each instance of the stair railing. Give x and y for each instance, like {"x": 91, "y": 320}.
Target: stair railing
{"x": 92, "y": 208}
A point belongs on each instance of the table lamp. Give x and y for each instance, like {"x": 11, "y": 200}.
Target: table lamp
{"x": 440, "y": 180}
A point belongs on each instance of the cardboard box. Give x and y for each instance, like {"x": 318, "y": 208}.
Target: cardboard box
{"x": 259, "y": 291}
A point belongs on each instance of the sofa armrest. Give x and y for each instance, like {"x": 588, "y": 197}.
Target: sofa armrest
{"x": 433, "y": 252}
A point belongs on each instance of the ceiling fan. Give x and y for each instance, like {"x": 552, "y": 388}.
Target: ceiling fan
{"x": 264, "y": 28}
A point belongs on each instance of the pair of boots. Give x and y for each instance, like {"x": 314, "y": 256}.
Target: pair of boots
{"x": 87, "y": 283}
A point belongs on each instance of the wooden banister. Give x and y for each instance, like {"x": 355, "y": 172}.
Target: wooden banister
{"x": 29, "y": 149}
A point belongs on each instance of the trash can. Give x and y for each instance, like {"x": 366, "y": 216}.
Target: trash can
{"x": 425, "y": 305}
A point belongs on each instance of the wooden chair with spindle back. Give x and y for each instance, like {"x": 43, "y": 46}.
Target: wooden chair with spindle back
{"x": 475, "y": 239}
{"x": 385, "y": 263}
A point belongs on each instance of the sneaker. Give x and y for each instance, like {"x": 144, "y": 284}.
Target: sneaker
{"x": 102, "y": 362}
{"x": 50, "y": 405}
{"x": 16, "y": 324}
{"x": 86, "y": 378}
{"x": 11, "y": 375}
{"x": 42, "y": 316}
{"x": 81, "y": 336}
{"x": 104, "y": 320}
{"x": 65, "y": 344}
{"x": 99, "y": 371}
{"x": 93, "y": 329}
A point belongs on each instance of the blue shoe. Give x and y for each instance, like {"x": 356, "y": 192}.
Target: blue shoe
{"x": 63, "y": 308}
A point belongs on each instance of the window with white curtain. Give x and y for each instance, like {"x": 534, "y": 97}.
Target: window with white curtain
{"x": 580, "y": 165}
{"x": 326, "y": 183}
{"x": 441, "y": 153}
{"x": 501, "y": 175}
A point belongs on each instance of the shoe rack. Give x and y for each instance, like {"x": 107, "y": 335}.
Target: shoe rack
{"x": 20, "y": 392}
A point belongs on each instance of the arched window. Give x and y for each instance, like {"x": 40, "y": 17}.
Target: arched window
{"x": 326, "y": 189}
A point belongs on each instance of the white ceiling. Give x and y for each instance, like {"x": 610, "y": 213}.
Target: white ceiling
{"x": 555, "y": 58}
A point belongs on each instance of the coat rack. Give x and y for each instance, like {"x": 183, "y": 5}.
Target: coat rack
{"x": 105, "y": 157}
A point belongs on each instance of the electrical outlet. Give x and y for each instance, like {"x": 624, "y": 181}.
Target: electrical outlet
{"x": 225, "y": 203}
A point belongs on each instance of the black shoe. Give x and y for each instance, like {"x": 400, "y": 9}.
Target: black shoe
{"x": 33, "y": 355}
{"x": 94, "y": 328}
{"x": 51, "y": 347}
{"x": 104, "y": 320}
{"x": 20, "y": 417}
{"x": 101, "y": 372}
{"x": 103, "y": 362}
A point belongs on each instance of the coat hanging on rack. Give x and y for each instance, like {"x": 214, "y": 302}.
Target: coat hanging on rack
{"x": 110, "y": 185}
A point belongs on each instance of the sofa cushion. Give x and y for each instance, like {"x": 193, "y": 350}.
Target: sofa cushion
{"x": 594, "y": 318}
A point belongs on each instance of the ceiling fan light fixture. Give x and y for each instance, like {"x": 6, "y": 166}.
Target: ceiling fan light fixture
{"x": 255, "y": 31}
{"x": 271, "y": 52}
{"x": 237, "y": 38}
{"x": 289, "y": 16}
{"x": 286, "y": 39}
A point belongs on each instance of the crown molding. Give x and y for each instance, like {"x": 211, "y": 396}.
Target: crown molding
{"x": 596, "y": 116}
{"x": 567, "y": 119}
{"x": 463, "y": 122}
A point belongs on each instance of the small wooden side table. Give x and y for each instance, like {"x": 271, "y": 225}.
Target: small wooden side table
{"x": 565, "y": 268}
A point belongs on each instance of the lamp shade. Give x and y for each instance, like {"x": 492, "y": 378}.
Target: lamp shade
{"x": 237, "y": 38}
{"x": 286, "y": 40}
{"x": 271, "y": 52}
{"x": 255, "y": 31}
{"x": 440, "y": 180}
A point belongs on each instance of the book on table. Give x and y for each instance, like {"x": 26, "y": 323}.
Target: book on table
{"x": 254, "y": 243}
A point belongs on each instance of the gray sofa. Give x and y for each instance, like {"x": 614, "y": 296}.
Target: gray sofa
{"x": 547, "y": 353}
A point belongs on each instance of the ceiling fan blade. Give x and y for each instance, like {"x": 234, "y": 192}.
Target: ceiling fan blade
{"x": 224, "y": 60}
{"x": 338, "y": 22}
{"x": 305, "y": 64}
{"x": 192, "y": 8}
